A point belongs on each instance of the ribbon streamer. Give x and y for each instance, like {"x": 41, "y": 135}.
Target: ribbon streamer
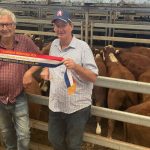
{"x": 30, "y": 58}
{"x": 70, "y": 82}
{"x": 33, "y": 59}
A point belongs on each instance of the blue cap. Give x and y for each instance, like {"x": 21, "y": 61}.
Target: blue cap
{"x": 61, "y": 15}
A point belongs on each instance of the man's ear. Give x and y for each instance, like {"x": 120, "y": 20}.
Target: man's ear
{"x": 14, "y": 26}
{"x": 71, "y": 24}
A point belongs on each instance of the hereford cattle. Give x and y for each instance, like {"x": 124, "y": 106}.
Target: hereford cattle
{"x": 46, "y": 48}
{"x": 138, "y": 50}
{"x": 39, "y": 42}
{"x": 99, "y": 93}
{"x": 45, "y": 86}
{"x": 117, "y": 99}
{"x": 145, "y": 77}
{"x": 34, "y": 109}
{"x": 136, "y": 63}
{"x": 137, "y": 134}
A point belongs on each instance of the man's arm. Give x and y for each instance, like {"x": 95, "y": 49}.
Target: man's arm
{"x": 27, "y": 78}
{"x": 84, "y": 73}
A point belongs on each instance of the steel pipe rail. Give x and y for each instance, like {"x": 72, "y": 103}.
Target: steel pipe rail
{"x": 121, "y": 84}
{"x": 41, "y": 21}
{"x": 42, "y": 33}
{"x": 111, "y": 143}
{"x": 106, "y": 113}
{"x": 46, "y": 22}
{"x": 102, "y": 112}
{"x": 121, "y": 39}
{"x": 121, "y": 116}
{"x": 122, "y": 26}
{"x": 35, "y": 32}
{"x": 95, "y": 139}
{"x": 136, "y": 28}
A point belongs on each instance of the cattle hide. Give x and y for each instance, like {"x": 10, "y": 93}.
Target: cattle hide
{"x": 137, "y": 134}
{"x": 118, "y": 99}
{"x": 145, "y": 77}
{"x": 99, "y": 93}
{"x": 136, "y": 63}
{"x": 138, "y": 50}
{"x": 34, "y": 109}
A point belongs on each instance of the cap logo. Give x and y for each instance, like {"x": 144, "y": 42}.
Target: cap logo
{"x": 59, "y": 13}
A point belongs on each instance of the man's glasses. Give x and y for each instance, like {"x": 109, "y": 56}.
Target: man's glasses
{"x": 8, "y": 25}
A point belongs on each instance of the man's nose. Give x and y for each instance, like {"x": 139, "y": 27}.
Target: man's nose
{"x": 4, "y": 26}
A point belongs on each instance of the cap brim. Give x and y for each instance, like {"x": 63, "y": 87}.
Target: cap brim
{"x": 59, "y": 19}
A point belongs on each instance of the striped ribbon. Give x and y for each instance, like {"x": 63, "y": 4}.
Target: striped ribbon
{"x": 70, "y": 82}
{"x": 38, "y": 60}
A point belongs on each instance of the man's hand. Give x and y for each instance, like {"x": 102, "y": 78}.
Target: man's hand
{"x": 27, "y": 79}
{"x": 45, "y": 74}
{"x": 69, "y": 63}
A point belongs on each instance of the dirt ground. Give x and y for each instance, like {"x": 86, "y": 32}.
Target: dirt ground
{"x": 41, "y": 136}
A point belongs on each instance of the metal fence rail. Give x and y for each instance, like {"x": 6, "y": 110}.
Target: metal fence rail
{"x": 106, "y": 113}
{"x": 95, "y": 139}
{"x": 109, "y": 37}
{"x": 128, "y": 85}
{"x": 86, "y": 26}
{"x": 42, "y": 23}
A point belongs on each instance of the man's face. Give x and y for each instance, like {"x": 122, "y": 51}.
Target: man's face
{"x": 7, "y": 26}
{"x": 63, "y": 29}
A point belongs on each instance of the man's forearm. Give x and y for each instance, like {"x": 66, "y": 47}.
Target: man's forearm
{"x": 33, "y": 69}
{"x": 85, "y": 74}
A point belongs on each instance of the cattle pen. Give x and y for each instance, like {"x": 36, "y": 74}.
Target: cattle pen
{"x": 98, "y": 24}
{"x": 112, "y": 28}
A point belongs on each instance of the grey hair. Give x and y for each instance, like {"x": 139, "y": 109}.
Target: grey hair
{"x": 4, "y": 12}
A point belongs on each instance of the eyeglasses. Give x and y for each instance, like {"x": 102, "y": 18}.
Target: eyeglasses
{"x": 8, "y": 25}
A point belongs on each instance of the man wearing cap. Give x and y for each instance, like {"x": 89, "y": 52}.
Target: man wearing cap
{"x": 69, "y": 107}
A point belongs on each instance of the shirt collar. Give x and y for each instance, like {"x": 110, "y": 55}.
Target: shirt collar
{"x": 72, "y": 43}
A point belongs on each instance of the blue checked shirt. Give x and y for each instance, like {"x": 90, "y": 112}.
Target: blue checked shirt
{"x": 59, "y": 100}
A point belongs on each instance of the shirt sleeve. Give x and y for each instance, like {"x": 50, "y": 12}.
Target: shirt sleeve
{"x": 88, "y": 60}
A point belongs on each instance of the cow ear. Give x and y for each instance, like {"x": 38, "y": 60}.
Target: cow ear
{"x": 102, "y": 54}
{"x": 110, "y": 46}
{"x": 117, "y": 51}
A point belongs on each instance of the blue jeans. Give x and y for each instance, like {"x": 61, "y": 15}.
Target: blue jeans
{"x": 14, "y": 124}
{"x": 65, "y": 131}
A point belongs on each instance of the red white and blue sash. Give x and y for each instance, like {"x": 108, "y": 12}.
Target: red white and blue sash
{"x": 30, "y": 58}
{"x": 38, "y": 60}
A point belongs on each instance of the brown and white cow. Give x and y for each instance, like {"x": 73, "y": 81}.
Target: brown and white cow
{"x": 136, "y": 63}
{"x": 99, "y": 93}
{"x": 138, "y": 50}
{"x": 145, "y": 77}
{"x": 117, "y": 99}
{"x": 34, "y": 109}
{"x": 137, "y": 134}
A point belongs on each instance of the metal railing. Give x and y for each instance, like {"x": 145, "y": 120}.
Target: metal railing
{"x": 115, "y": 27}
{"x": 86, "y": 30}
{"x": 38, "y": 22}
{"x": 135, "y": 86}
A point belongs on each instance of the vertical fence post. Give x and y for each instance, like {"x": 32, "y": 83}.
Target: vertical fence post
{"x": 91, "y": 34}
{"x": 86, "y": 25}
